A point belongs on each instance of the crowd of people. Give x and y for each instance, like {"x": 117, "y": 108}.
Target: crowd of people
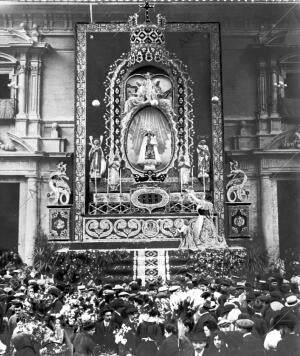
{"x": 199, "y": 316}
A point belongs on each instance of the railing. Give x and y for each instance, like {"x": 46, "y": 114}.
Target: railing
{"x": 7, "y": 108}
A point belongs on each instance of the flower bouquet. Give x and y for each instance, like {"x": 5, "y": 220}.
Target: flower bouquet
{"x": 121, "y": 333}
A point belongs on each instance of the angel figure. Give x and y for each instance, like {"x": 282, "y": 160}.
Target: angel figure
{"x": 204, "y": 232}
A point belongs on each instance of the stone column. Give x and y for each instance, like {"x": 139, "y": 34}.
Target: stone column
{"x": 274, "y": 112}
{"x": 21, "y": 117}
{"x": 262, "y": 89}
{"x": 268, "y": 194}
{"x": 31, "y": 218}
{"x": 275, "y": 119}
{"x": 262, "y": 120}
{"x": 34, "y": 92}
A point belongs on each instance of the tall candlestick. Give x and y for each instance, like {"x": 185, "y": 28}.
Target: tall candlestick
{"x": 203, "y": 173}
{"x": 181, "y": 181}
{"x": 107, "y": 182}
{"x": 192, "y": 177}
{"x": 120, "y": 182}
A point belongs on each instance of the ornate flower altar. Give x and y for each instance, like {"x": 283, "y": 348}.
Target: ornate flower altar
{"x": 148, "y": 128}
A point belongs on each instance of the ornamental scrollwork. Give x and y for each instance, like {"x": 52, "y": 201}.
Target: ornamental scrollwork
{"x": 98, "y": 229}
{"x": 236, "y": 191}
{"x": 60, "y": 189}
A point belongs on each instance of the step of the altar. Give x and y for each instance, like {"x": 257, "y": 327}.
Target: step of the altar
{"x": 117, "y": 266}
{"x": 170, "y": 243}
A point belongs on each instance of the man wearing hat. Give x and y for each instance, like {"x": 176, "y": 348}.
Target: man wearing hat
{"x": 260, "y": 324}
{"x": 200, "y": 342}
{"x": 289, "y": 345}
{"x": 118, "y": 306}
{"x": 105, "y": 332}
{"x": 251, "y": 344}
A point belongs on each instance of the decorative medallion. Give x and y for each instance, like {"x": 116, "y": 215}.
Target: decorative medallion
{"x": 150, "y": 228}
{"x": 239, "y": 220}
{"x": 59, "y": 223}
{"x": 150, "y": 198}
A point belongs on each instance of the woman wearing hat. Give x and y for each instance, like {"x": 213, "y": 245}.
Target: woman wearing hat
{"x": 24, "y": 345}
{"x": 209, "y": 327}
{"x": 149, "y": 334}
{"x": 83, "y": 343}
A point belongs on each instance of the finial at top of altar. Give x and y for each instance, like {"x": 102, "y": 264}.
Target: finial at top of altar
{"x": 147, "y": 7}
{"x": 147, "y": 39}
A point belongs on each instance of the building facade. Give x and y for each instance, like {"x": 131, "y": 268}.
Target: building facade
{"x": 260, "y": 58}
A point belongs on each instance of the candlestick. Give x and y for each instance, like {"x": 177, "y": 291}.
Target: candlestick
{"x": 120, "y": 181}
{"x": 181, "y": 181}
{"x": 203, "y": 181}
{"x": 107, "y": 188}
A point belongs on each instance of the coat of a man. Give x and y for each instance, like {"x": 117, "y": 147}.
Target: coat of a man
{"x": 105, "y": 333}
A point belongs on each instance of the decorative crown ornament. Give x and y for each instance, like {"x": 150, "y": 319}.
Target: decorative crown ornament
{"x": 147, "y": 40}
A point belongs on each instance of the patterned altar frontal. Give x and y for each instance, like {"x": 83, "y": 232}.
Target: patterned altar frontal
{"x": 156, "y": 134}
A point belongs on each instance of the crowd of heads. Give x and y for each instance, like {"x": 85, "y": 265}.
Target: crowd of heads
{"x": 208, "y": 315}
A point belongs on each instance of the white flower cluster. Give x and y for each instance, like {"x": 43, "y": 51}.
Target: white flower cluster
{"x": 121, "y": 333}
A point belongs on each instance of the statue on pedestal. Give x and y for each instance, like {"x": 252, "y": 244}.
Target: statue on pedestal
{"x": 96, "y": 157}
{"x": 203, "y": 159}
{"x": 114, "y": 179}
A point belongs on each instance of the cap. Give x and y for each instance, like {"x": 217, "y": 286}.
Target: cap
{"x": 199, "y": 338}
{"x": 109, "y": 292}
{"x": 123, "y": 294}
{"x": 245, "y": 323}
{"x": 257, "y": 305}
